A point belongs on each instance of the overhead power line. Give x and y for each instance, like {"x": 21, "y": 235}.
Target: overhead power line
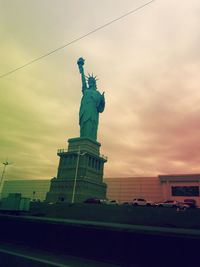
{"x": 76, "y": 40}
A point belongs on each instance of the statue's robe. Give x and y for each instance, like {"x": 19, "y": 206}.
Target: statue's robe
{"x": 91, "y": 104}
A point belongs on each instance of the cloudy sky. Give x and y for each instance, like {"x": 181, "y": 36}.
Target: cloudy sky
{"x": 147, "y": 63}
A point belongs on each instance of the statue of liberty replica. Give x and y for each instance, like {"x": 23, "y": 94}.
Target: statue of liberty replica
{"x": 80, "y": 170}
{"x": 92, "y": 104}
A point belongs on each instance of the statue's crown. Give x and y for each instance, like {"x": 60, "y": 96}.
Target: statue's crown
{"x": 91, "y": 77}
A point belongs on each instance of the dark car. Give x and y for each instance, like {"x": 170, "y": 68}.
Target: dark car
{"x": 190, "y": 202}
{"x": 93, "y": 201}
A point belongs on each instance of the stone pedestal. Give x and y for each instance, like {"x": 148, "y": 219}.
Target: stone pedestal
{"x": 83, "y": 162}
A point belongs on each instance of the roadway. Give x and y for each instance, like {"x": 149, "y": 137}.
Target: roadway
{"x": 95, "y": 243}
{"x": 23, "y": 256}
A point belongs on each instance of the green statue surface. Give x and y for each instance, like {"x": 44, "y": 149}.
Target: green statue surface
{"x": 92, "y": 103}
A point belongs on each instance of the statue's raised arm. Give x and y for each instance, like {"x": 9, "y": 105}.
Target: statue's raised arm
{"x": 80, "y": 63}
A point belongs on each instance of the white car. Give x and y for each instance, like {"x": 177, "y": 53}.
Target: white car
{"x": 167, "y": 204}
{"x": 172, "y": 204}
{"x": 142, "y": 202}
{"x": 112, "y": 202}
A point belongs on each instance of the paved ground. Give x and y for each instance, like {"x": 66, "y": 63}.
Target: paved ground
{"x": 169, "y": 231}
{"x": 23, "y": 256}
{"x": 94, "y": 243}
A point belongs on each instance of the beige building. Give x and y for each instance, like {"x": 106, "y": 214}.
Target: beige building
{"x": 123, "y": 189}
{"x": 177, "y": 187}
{"x": 180, "y": 187}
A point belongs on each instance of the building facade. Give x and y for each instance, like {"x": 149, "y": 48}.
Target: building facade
{"x": 124, "y": 189}
{"x": 34, "y": 189}
{"x": 180, "y": 187}
{"x": 163, "y": 187}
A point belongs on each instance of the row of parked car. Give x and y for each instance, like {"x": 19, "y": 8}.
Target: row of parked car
{"x": 187, "y": 203}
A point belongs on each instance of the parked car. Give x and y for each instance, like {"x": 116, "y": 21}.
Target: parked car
{"x": 112, "y": 202}
{"x": 190, "y": 202}
{"x": 142, "y": 202}
{"x": 127, "y": 203}
{"x": 93, "y": 201}
{"x": 182, "y": 206}
{"x": 167, "y": 204}
{"x": 103, "y": 201}
{"x": 172, "y": 204}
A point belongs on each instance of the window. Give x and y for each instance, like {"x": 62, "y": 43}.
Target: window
{"x": 185, "y": 191}
{"x": 99, "y": 167}
{"x": 92, "y": 162}
{"x": 89, "y": 162}
{"x": 71, "y": 159}
{"x": 64, "y": 160}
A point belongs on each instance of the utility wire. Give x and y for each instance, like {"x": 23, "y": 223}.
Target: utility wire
{"x": 77, "y": 39}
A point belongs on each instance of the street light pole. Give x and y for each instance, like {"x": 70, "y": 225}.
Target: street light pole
{"x": 3, "y": 173}
{"x": 76, "y": 173}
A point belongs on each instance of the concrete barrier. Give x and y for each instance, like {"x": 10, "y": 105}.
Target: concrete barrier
{"x": 116, "y": 243}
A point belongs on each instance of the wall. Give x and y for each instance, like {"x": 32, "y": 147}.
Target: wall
{"x": 35, "y": 189}
{"x": 125, "y": 189}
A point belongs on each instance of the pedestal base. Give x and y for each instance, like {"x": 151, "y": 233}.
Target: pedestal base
{"x": 61, "y": 191}
{"x": 84, "y": 144}
{"x": 81, "y": 167}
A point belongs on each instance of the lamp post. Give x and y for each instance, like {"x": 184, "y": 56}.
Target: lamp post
{"x": 76, "y": 173}
{"x": 6, "y": 163}
{"x": 34, "y": 193}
